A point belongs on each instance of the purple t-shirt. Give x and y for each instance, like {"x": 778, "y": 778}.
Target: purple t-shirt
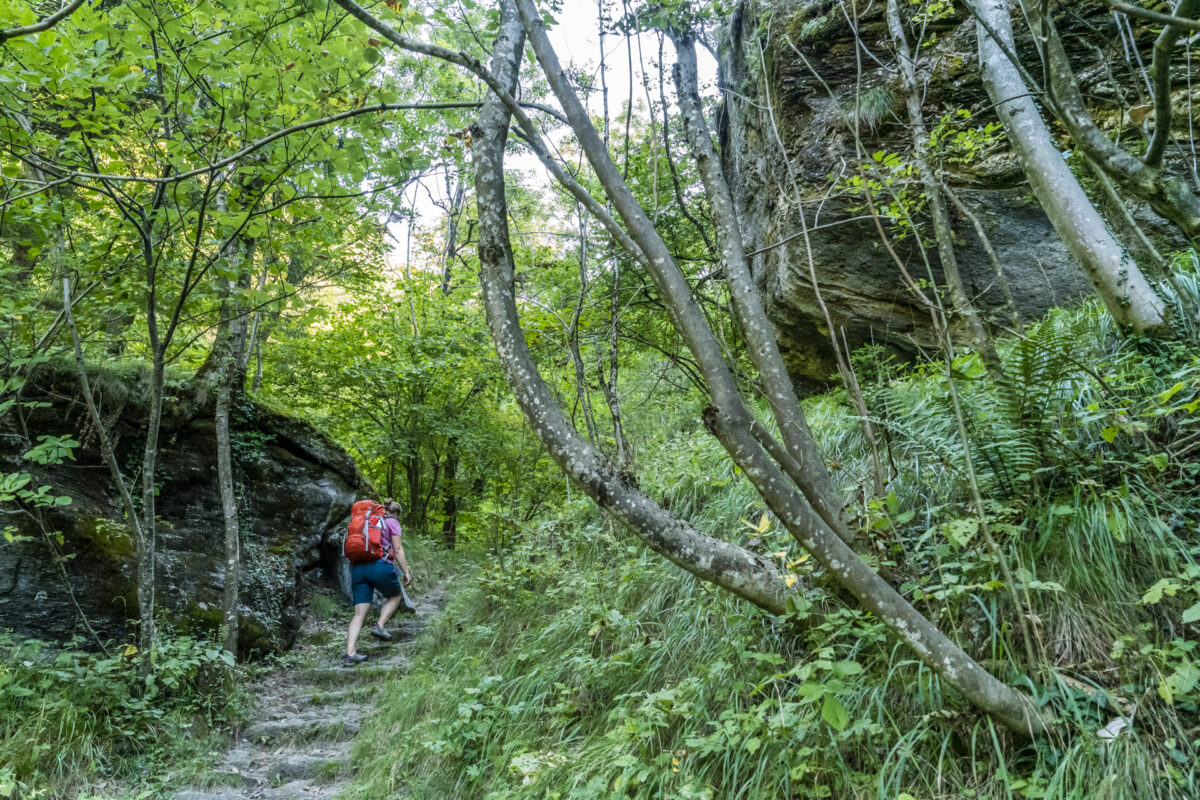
{"x": 391, "y": 530}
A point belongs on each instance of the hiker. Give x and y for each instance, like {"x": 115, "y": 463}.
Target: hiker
{"x": 378, "y": 574}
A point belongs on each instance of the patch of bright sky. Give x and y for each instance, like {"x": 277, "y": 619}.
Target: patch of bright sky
{"x": 576, "y": 39}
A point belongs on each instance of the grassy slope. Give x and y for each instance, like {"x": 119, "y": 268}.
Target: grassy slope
{"x": 580, "y": 666}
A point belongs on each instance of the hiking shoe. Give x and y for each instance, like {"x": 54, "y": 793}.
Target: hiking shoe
{"x": 351, "y": 660}
{"x": 379, "y": 632}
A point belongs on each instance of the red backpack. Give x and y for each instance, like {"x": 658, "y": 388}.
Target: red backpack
{"x": 364, "y": 537}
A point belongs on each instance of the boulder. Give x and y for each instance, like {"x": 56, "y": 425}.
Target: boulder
{"x": 295, "y": 487}
{"x": 811, "y": 97}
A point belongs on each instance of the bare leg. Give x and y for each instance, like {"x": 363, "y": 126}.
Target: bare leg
{"x": 360, "y": 616}
{"x": 389, "y": 608}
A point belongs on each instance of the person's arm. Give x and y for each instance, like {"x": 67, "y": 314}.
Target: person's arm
{"x": 398, "y": 549}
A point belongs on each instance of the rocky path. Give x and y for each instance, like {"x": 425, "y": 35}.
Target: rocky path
{"x": 298, "y": 742}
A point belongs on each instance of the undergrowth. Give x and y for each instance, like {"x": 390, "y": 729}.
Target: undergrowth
{"x": 579, "y": 666}
{"x": 70, "y": 718}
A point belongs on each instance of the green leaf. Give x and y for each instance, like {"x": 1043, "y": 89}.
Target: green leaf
{"x": 1169, "y": 393}
{"x": 834, "y": 713}
{"x": 1192, "y": 614}
{"x": 1155, "y": 592}
{"x": 844, "y": 669}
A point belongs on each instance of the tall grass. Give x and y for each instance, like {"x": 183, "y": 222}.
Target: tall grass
{"x": 583, "y": 667}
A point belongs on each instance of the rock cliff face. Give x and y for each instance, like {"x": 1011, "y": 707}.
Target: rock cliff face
{"x": 806, "y": 49}
{"x": 295, "y": 489}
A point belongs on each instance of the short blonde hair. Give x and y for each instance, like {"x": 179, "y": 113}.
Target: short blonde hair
{"x": 393, "y": 508}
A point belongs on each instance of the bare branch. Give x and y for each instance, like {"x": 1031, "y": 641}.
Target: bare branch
{"x": 377, "y": 108}
{"x": 1153, "y": 16}
{"x": 42, "y": 24}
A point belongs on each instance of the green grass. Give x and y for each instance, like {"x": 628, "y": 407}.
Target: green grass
{"x": 71, "y": 719}
{"x": 579, "y": 666}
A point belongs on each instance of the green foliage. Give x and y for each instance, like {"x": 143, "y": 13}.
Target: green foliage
{"x": 578, "y": 665}
{"x": 68, "y": 716}
{"x": 871, "y": 107}
{"x": 954, "y": 143}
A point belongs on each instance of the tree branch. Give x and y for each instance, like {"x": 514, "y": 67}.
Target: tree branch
{"x": 1153, "y": 16}
{"x": 42, "y": 24}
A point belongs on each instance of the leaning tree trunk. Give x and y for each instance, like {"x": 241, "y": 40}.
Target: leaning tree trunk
{"x": 729, "y": 420}
{"x": 1112, "y": 272}
{"x": 804, "y": 463}
{"x": 748, "y": 575}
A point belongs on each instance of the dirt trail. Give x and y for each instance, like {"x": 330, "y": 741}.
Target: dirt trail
{"x": 297, "y": 745}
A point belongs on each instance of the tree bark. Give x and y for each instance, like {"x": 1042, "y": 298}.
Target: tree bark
{"x": 730, "y": 422}
{"x": 1170, "y": 196}
{"x": 743, "y": 573}
{"x": 977, "y": 332}
{"x": 1112, "y": 272}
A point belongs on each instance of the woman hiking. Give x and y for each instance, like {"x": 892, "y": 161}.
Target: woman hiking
{"x": 380, "y": 575}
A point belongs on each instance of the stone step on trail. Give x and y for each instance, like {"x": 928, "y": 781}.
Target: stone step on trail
{"x": 299, "y": 741}
{"x": 365, "y": 672}
{"x": 303, "y": 729}
{"x": 359, "y": 694}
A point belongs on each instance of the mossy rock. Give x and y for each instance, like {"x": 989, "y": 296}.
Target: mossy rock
{"x": 253, "y": 636}
{"x": 105, "y": 538}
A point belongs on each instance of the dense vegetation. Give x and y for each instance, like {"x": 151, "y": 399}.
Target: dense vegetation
{"x": 575, "y": 665}
{"x": 971, "y": 571}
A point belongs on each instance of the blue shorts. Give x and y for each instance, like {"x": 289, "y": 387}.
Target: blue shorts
{"x": 366, "y": 578}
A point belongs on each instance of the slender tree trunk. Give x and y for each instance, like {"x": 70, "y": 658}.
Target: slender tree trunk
{"x": 730, "y": 423}
{"x": 994, "y": 258}
{"x": 1160, "y": 69}
{"x": 812, "y": 477}
{"x": 745, "y": 574}
{"x": 107, "y": 452}
{"x": 1112, "y": 272}
{"x": 412, "y": 473}
{"x": 258, "y": 373}
{"x": 146, "y": 553}
{"x": 581, "y": 386}
{"x": 452, "y": 218}
{"x": 1172, "y": 197}
{"x": 977, "y": 332}
{"x": 230, "y": 346}
{"x": 229, "y": 513}
{"x": 609, "y": 384}
{"x": 450, "y": 495}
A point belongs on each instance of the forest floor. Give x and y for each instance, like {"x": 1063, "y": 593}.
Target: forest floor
{"x": 298, "y": 741}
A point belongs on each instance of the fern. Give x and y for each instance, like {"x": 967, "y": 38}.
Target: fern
{"x": 1035, "y": 395}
